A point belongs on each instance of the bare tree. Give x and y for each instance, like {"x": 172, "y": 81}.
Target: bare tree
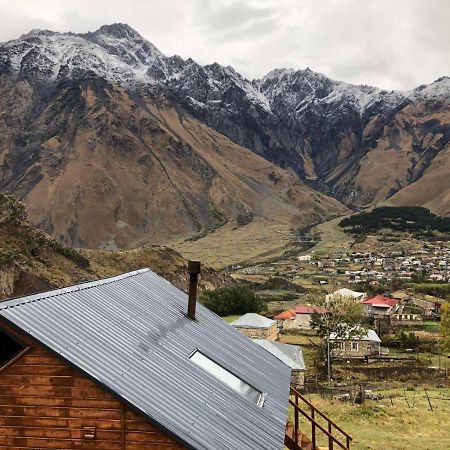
{"x": 338, "y": 315}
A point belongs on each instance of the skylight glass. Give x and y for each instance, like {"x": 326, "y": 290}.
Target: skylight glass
{"x": 226, "y": 377}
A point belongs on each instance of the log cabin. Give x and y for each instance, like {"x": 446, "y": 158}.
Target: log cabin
{"x": 126, "y": 363}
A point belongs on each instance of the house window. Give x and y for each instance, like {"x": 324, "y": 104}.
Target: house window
{"x": 8, "y": 348}
{"x": 341, "y": 346}
{"x": 355, "y": 346}
{"x": 226, "y": 377}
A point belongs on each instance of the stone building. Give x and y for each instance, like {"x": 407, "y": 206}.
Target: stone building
{"x": 298, "y": 318}
{"x": 359, "y": 345}
{"x": 406, "y": 318}
{"x": 291, "y": 355}
{"x": 256, "y": 326}
{"x": 380, "y": 306}
{"x": 345, "y": 293}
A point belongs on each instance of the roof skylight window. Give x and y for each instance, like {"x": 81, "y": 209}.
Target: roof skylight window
{"x": 226, "y": 377}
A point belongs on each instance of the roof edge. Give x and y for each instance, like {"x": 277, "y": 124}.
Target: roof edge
{"x": 9, "y": 303}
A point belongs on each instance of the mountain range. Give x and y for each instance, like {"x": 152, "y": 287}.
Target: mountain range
{"x": 110, "y": 143}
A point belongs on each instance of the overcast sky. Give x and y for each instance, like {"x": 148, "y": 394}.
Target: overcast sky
{"x": 394, "y": 44}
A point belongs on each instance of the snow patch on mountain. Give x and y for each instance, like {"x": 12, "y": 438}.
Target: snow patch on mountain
{"x": 118, "y": 53}
{"x": 437, "y": 90}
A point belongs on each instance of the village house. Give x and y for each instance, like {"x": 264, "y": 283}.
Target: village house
{"x": 291, "y": 355}
{"x": 355, "y": 345}
{"x": 428, "y": 307}
{"x": 298, "y": 318}
{"x": 406, "y": 318}
{"x": 256, "y": 326}
{"x": 129, "y": 363}
{"x": 285, "y": 319}
{"x": 347, "y": 293}
{"x": 380, "y": 306}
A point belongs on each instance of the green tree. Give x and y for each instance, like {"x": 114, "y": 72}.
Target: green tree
{"x": 445, "y": 328}
{"x": 230, "y": 300}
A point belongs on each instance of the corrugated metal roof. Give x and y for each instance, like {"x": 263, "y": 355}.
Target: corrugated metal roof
{"x": 365, "y": 335}
{"x": 252, "y": 320}
{"x": 132, "y": 335}
{"x": 306, "y": 309}
{"x": 380, "y": 301}
{"x": 291, "y": 355}
{"x": 288, "y": 314}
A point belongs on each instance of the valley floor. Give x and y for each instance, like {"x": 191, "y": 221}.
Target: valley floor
{"x": 231, "y": 245}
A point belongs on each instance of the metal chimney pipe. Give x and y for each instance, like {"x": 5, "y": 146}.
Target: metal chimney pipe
{"x": 194, "y": 271}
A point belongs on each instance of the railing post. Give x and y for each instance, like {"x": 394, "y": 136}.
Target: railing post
{"x": 330, "y": 438}
{"x": 315, "y": 425}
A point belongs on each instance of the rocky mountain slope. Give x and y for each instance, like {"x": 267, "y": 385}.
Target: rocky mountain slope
{"x": 157, "y": 145}
{"x": 105, "y": 163}
{"x": 31, "y": 261}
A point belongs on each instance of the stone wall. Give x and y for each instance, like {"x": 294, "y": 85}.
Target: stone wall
{"x": 270, "y": 333}
{"x": 301, "y": 322}
{"x": 297, "y": 379}
{"x": 354, "y": 349}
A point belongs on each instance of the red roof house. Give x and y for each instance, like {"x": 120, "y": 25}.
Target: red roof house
{"x": 380, "y": 305}
{"x": 289, "y": 314}
{"x": 298, "y": 318}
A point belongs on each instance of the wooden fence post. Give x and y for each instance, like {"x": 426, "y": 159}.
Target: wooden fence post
{"x": 428, "y": 398}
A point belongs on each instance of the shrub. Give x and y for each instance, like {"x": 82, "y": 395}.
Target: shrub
{"x": 360, "y": 238}
{"x": 409, "y": 339}
{"x": 231, "y": 300}
{"x": 7, "y": 256}
{"x": 435, "y": 289}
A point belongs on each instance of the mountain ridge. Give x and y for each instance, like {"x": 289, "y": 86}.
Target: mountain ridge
{"x": 144, "y": 49}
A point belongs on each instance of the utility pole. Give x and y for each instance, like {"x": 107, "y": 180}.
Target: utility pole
{"x": 328, "y": 360}
{"x": 328, "y": 348}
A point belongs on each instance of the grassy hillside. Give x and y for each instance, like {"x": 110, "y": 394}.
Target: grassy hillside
{"x": 405, "y": 423}
{"x": 31, "y": 261}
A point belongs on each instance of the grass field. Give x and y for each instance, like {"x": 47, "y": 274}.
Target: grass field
{"x": 399, "y": 425}
{"x": 333, "y": 238}
{"x": 257, "y": 241}
{"x": 230, "y": 319}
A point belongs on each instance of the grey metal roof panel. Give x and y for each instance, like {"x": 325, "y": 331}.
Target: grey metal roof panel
{"x": 253, "y": 320}
{"x": 364, "y": 335}
{"x": 291, "y": 355}
{"x": 132, "y": 335}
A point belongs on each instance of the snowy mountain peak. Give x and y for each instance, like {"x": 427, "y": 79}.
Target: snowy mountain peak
{"x": 37, "y": 32}
{"x": 119, "y": 31}
{"x": 440, "y": 88}
{"x": 119, "y": 54}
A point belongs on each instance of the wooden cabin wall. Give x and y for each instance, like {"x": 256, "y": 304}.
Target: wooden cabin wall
{"x": 46, "y": 404}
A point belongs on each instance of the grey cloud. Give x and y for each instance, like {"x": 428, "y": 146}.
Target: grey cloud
{"x": 392, "y": 44}
{"x": 235, "y": 19}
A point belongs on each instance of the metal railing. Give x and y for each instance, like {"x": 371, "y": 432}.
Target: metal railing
{"x": 315, "y": 426}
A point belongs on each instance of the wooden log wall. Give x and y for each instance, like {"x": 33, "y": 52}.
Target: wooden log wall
{"x": 46, "y": 404}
